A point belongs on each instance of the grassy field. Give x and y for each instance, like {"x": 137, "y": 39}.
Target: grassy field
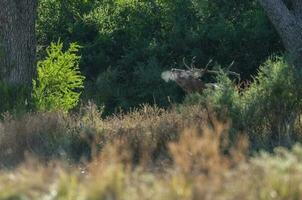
{"x": 150, "y": 153}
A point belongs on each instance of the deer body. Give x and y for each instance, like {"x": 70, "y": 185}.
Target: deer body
{"x": 187, "y": 81}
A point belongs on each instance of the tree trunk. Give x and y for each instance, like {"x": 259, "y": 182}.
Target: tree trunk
{"x": 287, "y": 19}
{"x": 288, "y": 23}
{"x": 17, "y": 41}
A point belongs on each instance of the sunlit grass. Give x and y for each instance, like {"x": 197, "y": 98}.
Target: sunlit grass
{"x": 149, "y": 153}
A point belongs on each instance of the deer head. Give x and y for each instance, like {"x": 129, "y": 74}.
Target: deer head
{"x": 190, "y": 79}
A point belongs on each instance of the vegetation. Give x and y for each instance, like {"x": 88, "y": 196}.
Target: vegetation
{"x": 58, "y": 79}
{"x": 268, "y": 109}
{"x": 128, "y": 43}
{"x": 156, "y": 159}
{"x": 98, "y": 122}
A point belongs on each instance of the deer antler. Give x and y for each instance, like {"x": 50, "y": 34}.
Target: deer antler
{"x": 202, "y": 72}
{"x": 206, "y": 69}
{"x": 228, "y": 72}
{"x": 184, "y": 61}
{"x": 192, "y": 65}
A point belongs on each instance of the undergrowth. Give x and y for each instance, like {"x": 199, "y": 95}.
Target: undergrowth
{"x": 268, "y": 109}
{"x": 204, "y": 149}
{"x": 51, "y": 135}
{"x": 199, "y": 168}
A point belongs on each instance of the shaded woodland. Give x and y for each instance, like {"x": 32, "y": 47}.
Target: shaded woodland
{"x": 150, "y": 99}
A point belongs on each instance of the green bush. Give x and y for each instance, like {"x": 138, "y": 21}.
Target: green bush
{"x": 272, "y": 103}
{"x": 59, "y": 79}
{"x": 267, "y": 110}
{"x": 225, "y": 100}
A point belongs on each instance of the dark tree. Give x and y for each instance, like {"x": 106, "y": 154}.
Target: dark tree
{"x": 17, "y": 41}
{"x": 286, "y": 16}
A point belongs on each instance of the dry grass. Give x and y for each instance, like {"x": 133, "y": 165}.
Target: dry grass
{"x": 147, "y": 154}
{"x": 56, "y": 135}
{"x": 112, "y": 175}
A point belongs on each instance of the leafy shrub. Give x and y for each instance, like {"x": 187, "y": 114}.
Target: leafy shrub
{"x": 271, "y": 104}
{"x": 267, "y": 109}
{"x": 225, "y": 102}
{"x": 59, "y": 79}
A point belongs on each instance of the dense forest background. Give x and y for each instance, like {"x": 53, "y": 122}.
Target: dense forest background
{"x": 86, "y": 115}
{"x": 127, "y": 44}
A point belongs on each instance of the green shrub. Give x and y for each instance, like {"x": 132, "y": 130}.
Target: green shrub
{"x": 59, "y": 79}
{"x": 271, "y": 104}
{"x": 224, "y": 101}
{"x": 267, "y": 110}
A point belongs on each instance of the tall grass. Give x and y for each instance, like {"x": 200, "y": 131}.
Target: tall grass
{"x": 50, "y": 135}
{"x": 199, "y": 168}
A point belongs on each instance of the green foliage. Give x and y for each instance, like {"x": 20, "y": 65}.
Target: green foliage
{"x": 272, "y": 103}
{"x": 225, "y": 100}
{"x": 129, "y": 40}
{"x": 150, "y": 152}
{"x": 267, "y": 109}
{"x": 59, "y": 79}
{"x": 140, "y": 39}
{"x": 61, "y": 19}
{"x": 237, "y": 30}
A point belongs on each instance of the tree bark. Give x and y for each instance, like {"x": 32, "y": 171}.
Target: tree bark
{"x": 17, "y": 41}
{"x": 288, "y": 23}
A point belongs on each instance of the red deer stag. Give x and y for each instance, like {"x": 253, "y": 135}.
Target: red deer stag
{"x": 190, "y": 79}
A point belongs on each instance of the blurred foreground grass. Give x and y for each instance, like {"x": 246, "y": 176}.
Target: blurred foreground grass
{"x": 149, "y": 153}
